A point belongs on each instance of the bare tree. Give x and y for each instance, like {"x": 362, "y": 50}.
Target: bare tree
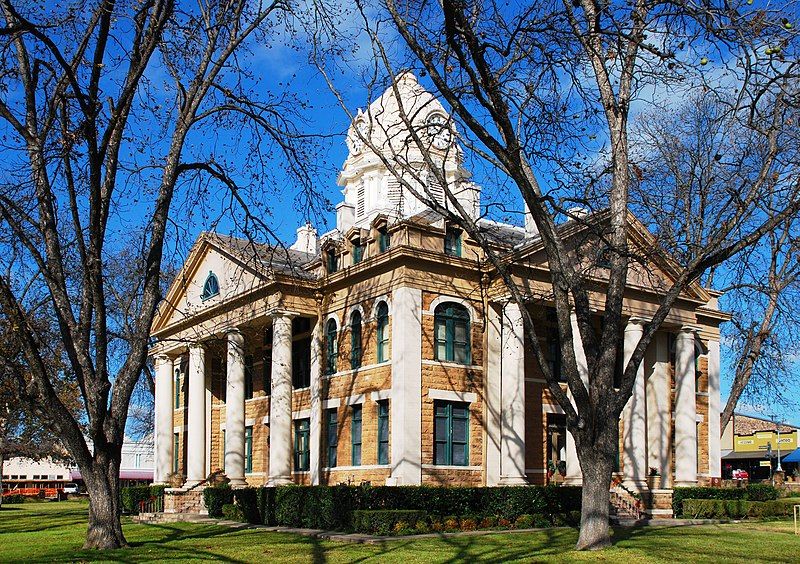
{"x": 702, "y": 151}
{"x": 105, "y": 108}
{"x": 544, "y": 92}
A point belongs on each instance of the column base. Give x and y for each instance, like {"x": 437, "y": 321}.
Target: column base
{"x": 190, "y": 484}
{"x": 279, "y": 481}
{"x": 573, "y": 481}
{"x": 512, "y": 481}
{"x": 237, "y": 482}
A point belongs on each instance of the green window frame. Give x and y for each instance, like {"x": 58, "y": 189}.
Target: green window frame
{"x": 452, "y": 333}
{"x": 177, "y": 388}
{"x": 302, "y": 445}
{"x": 332, "y": 435}
{"x": 383, "y": 332}
{"x": 451, "y": 433}
{"x": 358, "y": 251}
{"x": 356, "y": 348}
{"x": 330, "y": 347}
{"x": 210, "y": 287}
{"x": 355, "y": 436}
{"x": 452, "y": 242}
{"x": 384, "y": 240}
{"x": 176, "y": 447}
{"x": 383, "y": 432}
{"x": 332, "y": 261}
{"x": 248, "y": 377}
{"x": 248, "y": 449}
{"x": 301, "y": 363}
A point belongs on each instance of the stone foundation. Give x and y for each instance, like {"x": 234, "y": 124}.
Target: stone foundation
{"x": 179, "y": 500}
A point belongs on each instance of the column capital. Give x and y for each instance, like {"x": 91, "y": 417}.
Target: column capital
{"x": 636, "y": 320}
{"x": 197, "y": 346}
{"x": 161, "y": 358}
{"x": 282, "y": 313}
{"x": 688, "y": 330}
{"x": 234, "y": 335}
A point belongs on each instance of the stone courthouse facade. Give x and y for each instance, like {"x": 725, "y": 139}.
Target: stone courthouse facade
{"x": 387, "y": 350}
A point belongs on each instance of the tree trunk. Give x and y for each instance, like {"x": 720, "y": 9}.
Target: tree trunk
{"x": 102, "y": 485}
{"x": 597, "y": 464}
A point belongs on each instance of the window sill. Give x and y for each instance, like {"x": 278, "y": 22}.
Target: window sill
{"x": 357, "y": 370}
{"x": 450, "y": 467}
{"x": 447, "y": 364}
{"x": 353, "y": 468}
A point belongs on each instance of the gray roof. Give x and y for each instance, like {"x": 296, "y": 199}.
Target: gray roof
{"x": 267, "y": 258}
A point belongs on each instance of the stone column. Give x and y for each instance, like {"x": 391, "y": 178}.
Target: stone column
{"x": 635, "y": 414}
{"x": 234, "y": 410}
{"x": 164, "y": 410}
{"x": 685, "y": 409}
{"x": 280, "y": 405}
{"x": 574, "y": 475}
{"x": 659, "y": 411}
{"x": 406, "y": 419}
{"x": 714, "y": 461}
{"x": 196, "y": 418}
{"x": 315, "y": 443}
{"x": 512, "y": 398}
{"x": 492, "y": 387}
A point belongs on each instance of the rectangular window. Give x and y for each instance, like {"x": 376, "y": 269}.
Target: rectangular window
{"x": 302, "y": 445}
{"x": 452, "y": 242}
{"x": 554, "y": 352}
{"x": 248, "y": 377}
{"x": 358, "y": 251}
{"x": 384, "y": 240}
{"x": 301, "y": 363}
{"x": 333, "y": 262}
{"x": 177, "y": 388}
{"x": 176, "y": 443}
{"x": 248, "y": 449}
{"x": 355, "y": 436}
{"x": 332, "y": 435}
{"x": 383, "y": 432}
{"x": 451, "y": 433}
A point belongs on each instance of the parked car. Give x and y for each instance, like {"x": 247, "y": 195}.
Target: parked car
{"x": 740, "y": 474}
{"x": 70, "y": 488}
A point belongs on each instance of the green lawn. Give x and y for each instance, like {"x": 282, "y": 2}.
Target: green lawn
{"x": 53, "y": 532}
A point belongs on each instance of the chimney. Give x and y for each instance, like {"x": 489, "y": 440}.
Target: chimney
{"x": 306, "y": 239}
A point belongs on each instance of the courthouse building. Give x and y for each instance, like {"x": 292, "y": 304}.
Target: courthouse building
{"x": 387, "y": 350}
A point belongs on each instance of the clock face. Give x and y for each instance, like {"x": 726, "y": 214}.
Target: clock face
{"x": 356, "y": 141}
{"x": 439, "y": 131}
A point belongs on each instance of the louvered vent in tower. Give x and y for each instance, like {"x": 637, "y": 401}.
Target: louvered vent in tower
{"x": 435, "y": 190}
{"x": 360, "y": 197}
{"x": 395, "y": 195}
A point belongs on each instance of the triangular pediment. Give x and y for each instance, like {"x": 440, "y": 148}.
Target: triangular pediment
{"x": 209, "y": 257}
{"x": 653, "y": 270}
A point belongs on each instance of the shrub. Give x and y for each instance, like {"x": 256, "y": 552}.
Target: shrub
{"x": 133, "y": 495}
{"x": 488, "y": 522}
{"x": 469, "y": 524}
{"x": 524, "y": 522}
{"x": 247, "y": 501}
{"x": 753, "y": 492}
{"x": 14, "y": 498}
{"x": 735, "y": 508}
{"x": 232, "y": 512}
{"x": 215, "y": 497}
{"x": 761, "y": 492}
{"x": 265, "y": 500}
{"x": 384, "y": 521}
{"x": 422, "y": 527}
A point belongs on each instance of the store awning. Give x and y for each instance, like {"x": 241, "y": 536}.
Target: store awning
{"x": 733, "y": 455}
{"x": 793, "y": 456}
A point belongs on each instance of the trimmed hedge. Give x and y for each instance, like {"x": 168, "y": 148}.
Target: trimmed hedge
{"x": 386, "y": 521}
{"x": 131, "y": 496}
{"x": 14, "y": 498}
{"x": 753, "y": 492}
{"x": 333, "y": 507}
{"x": 735, "y": 508}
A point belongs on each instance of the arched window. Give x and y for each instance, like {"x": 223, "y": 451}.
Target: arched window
{"x": 355, "y": 340}
{"x": 211, "y": 286}
{"x": 452, "y": 333}
{"x": 330, "y": 347}
{"x": 383, "y": 332}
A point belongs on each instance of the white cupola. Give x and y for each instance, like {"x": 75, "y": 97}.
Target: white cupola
{"x": 384, "y": 132}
